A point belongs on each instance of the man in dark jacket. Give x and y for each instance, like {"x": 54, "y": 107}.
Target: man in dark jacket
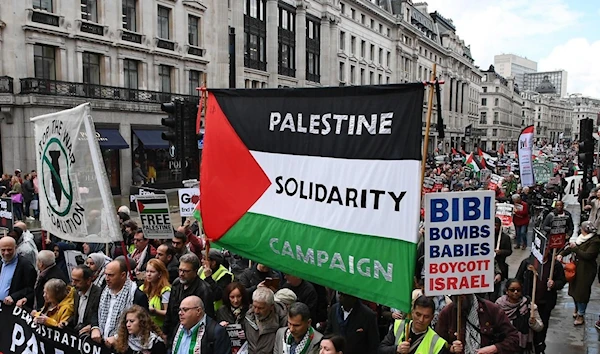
{"x": 86, "y": 300}
{"x": 353, "y": 320}
{"x": 484, "y": 325}
{"x": 187, "y": 284}
{"x": 28, "y": 195}
{"x": 166, "y": 254}
{"x": 46, "y": 263}
{"x": 559, "y": 211}
{"x": 546, "y": 291}
{"x": 251, "y": 278}
{"x": 17, "y": 275}
{"x": 305, "y": 293}
{"x": 503, "y": 249}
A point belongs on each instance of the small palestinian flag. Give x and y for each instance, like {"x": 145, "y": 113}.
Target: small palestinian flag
{"x": 320, "y": 183}
{"x": 471, "y": 163}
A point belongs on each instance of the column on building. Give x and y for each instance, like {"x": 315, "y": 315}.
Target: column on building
{"x": 326, "y": 31}
{"x": 272, "y": 41}
{"x": 238, "y": 26}
{"x": 301, "y": 43}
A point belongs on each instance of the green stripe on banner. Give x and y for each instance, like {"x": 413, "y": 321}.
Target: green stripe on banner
{"x": 372, "y": 268}
{"x": 154, "y": 211}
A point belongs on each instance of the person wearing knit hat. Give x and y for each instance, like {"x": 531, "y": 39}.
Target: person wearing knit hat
{"x": 285, "y": 297}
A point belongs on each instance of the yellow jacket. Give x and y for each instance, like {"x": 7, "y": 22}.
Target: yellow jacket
{"x": 61, "y": 313}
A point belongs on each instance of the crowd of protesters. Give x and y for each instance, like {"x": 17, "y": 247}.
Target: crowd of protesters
{"x": 159, "y": 296}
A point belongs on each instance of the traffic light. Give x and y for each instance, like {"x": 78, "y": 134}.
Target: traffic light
{"x": 190, "y": 138}
{"x": 174, "y": 124}
{"x": 586, "y": 143}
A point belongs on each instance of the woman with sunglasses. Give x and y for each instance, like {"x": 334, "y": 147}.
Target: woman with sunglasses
{"x": 519, "y": 310}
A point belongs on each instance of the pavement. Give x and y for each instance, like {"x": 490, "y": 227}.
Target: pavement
{"x": 563, "y": 337}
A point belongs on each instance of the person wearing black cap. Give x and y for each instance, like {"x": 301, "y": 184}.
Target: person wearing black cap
{"x": 215, "y": 274}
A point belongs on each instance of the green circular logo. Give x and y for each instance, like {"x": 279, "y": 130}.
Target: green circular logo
{"x": 58, "y": 189}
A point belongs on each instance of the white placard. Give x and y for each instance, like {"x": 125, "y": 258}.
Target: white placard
{"x": 188, "y": 198}
{"x": 459, "y": 243}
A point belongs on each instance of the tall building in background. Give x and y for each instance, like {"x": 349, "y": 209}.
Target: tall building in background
{"x": 547, "y": 82}
{"x": 510, "y": 65}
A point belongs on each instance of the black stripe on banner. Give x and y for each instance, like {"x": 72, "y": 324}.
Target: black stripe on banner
{"x": 152, "y": 201}
{"x": 355, "y": 122}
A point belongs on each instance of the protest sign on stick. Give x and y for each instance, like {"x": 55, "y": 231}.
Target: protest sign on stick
{"x": 504, "y": 212}
{"x": 459, "y": 243}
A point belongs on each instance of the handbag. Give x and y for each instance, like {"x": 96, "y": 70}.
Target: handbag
{"x": 17, "y": 198}
{"x": 570, "y": 270}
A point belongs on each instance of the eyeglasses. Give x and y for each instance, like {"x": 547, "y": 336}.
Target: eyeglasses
{"x": 514, "y": 290}
{"x": 138, "y": 239}
{"x": 185, "y": 271}
{"x": 186, "y": 309}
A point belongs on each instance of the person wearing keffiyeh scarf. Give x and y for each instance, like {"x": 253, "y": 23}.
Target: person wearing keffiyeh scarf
{"x": 299, "y": 337}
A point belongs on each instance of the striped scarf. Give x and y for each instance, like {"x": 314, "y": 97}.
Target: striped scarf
{"x": 124, "y": 299}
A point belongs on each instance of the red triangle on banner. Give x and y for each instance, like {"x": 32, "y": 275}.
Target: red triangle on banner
{"x": 140, "y": 206}
{"x": 231, "y": 180}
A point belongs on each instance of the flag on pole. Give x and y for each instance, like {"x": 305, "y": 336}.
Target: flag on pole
{"x": 299, "y": 180}
{"x": 501, "y": 150}
{"x": 481, "y": 158}
{"x": 75, "y": 200}
{"x": 454, "y": 151}
{"x": 525, "y": 150}
{"x": 471, "y": 163}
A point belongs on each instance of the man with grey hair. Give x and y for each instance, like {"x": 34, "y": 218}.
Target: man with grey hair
{"x": 188, "y": 284}
{"x": 26, "y": 246}
{"x": 46, "y": 263}
{"x": 198, "y": 332}
{"x": 262, "y": 321}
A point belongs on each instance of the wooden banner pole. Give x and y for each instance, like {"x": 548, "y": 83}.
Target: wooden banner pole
{"x": 458, "y": 315}
{"x": 535, "y": 276}
{"x": 552, "y": 265}
{"x": 428, "y": 124}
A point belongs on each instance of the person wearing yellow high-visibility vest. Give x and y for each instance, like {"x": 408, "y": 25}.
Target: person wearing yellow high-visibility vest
{"x": 415, "y": 336}
{"x": 215, "y": 274}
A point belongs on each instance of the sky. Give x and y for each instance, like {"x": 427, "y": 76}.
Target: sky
{"x": 557, "y": 34}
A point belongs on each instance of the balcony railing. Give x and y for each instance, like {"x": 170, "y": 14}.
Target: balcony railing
{"x": 131, "y": 37}
{"x": 313, "y": 77}
{"x": 199, "y": 52}
{"x": 282, "y": 70}
{"x": 165, "y": 44}
{"x": 45, "y": 18}
{"x": 77, "y": 89}
{"x": 93, "y": 28}
{"x": 6, "y": 84}
{"x": 255, "y": 64}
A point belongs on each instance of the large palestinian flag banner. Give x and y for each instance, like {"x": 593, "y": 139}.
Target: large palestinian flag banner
{"x": 320, "y": 183}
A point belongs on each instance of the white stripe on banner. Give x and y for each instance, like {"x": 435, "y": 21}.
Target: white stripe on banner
{"x": 369, "y": 197}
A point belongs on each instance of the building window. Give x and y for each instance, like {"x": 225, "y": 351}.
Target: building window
{"x": 372, "y": 56}
{"x": 44, "y": 62}
{"x": 287, "y": 42}
{"x": 353, "y": 14}
{"x": 362, "y": 76}
{"x": 342, "y": 40}
{"x": 353, "y": 45}
{"x": 497, "y": 89}
{"x": 363, "y": 48}
{"x": 255, "y": 34}
{"x": 164, "y": 76}
{"x": 130, "y": 15}
{"x": 130, "y": 70}
{"x": 380, "y": 28}
{"x": 313, "y": 50}
{"x": 342, "y": 8}
{"x": 495, "y": 117}
{"x": 496, "y": 102}
{"x": 380, "y": 79}
{"x": 194, "y": 30}
{"x": 494, "y": 132}
{"x": 371, "y": 78}
{"x": 164, "y": 22}
{"x": 342, "y": 72}
{"x": 389, "y": 58}
{"x": 484, "y": 89}
{"x": 45, "y": 5}
{"x": 372, "y": 24}
{"x": 484, "y": 101}
{"x": 194, "y": 82}
{"x": 91, "y": 68}
{"x": 483, "y": 118}
{"x": 362, "y": 19}
{"x": 89, "y": 10}
{"x": 380, "y": 56}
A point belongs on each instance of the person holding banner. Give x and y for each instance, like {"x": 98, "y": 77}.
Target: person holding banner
{"x": 521, "y": 313}
{"x": 559, "y": 212}
{"x": 416, "y": 335}
{"x": 550, "y": 280}
{"x": 585, "y": 250}
{"x": 58, "y": 306}
{"x": 484, "y": 327}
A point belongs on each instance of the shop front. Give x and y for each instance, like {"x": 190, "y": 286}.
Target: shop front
{"x": 153, "y": 154}
{"x": 111, "y": 142}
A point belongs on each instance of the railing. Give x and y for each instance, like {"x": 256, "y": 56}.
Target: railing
{"x": 282, "y": 70}
{"x": 77, "y": 89}
{"x": 255, "y": 64}
{"x": 131, "y": 37}
{"x": 6, "y": 84}
{"x": 313, "y": 77}
{"x": 199, "y": 52}
{"x": 165, "y": 44}
{"x": 93, "y": 28}
{"x": 45, "y": 18}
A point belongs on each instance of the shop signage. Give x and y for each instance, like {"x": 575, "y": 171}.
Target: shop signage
{"x": 154, "y": 213}
{"x": 188, "y": 198}
{"x": 6, "y": 214}
{"x": 134, "y": 191}
{"x": 459, "y": 243}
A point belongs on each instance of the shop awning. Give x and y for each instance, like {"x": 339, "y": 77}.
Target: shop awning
{"x": 111, "y": 139}
{"x": 151, "y": 139}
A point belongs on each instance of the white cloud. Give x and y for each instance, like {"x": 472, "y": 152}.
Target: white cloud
{"x": 494, "y": 27}
{"x": 579, "y": 58}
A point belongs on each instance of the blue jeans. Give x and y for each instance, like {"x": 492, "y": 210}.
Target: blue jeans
{"x": 581, "y": 307}
{"x": 521, "y": 235}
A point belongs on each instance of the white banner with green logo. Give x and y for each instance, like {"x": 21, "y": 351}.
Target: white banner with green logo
{"x": 75, "y": 199}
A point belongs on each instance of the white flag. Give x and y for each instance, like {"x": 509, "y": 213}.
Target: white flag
{"x": 75, "y": 199}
